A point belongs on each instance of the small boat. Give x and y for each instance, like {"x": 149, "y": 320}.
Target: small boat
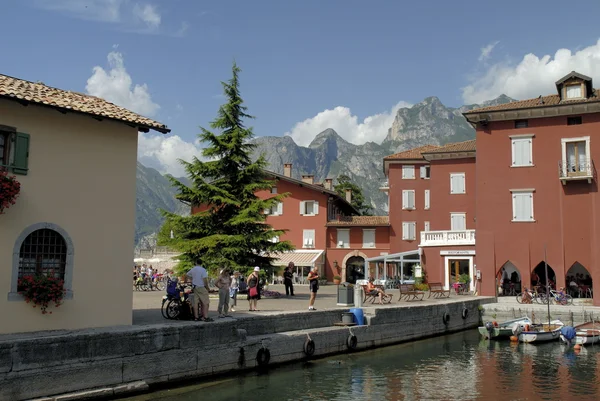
{"x": 585, "y": 334}
{"x": 497, "y": 331}
{"x": 538, "y": 333}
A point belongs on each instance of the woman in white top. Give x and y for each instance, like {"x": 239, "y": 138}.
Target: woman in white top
{"x": 233, "y": 290}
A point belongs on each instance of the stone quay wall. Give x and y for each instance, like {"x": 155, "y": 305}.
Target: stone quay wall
{"x": 107, "y": 363}
{"x": 571, "y": 315}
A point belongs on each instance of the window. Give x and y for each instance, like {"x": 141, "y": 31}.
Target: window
{"x": 275, "y": 210}
{"x": 458, "y": 221}
{"x": 275, "y": 239}
{"x": 425, "y": 172}
{"x": 521, "y": 123}
{"x": 368, "y": 238}
{"x": 522, "y": 204}
{"x": 273, "y": 190}
{"x": 575, "y": 157}
{"x": 308, "y": 239}
{"x": 522, "y": 150}
{"x": 574, "y": 91}
{"x": 427, "y": 199}
{"x": 309, "y": 208}
{"x": 457, "y": 183}
{"x": 14, "y": 150}
{"x": 427, "y": 226}
{"x": 343, "y": 238}
{"x": 574, "y": 120}
{"x": 409, "y": 230}
{"x": 408, "y": 172}
{"x": 408, "y": 199}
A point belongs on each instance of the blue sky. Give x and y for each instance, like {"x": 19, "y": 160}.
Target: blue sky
{"x": 307, "y": 65}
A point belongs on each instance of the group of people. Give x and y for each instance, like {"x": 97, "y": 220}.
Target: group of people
{"x": 230, "y": 284}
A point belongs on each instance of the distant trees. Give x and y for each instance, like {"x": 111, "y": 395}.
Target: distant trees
{"x": 358, "y": 199}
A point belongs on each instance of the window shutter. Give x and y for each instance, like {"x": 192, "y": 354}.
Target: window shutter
{"x": 529, "y": 152}
{"x": 404, "y": 230}
{"x": 463, "y": 221}
{"x": 461, "y": 186}
{"x": 302, "y": 208}
{"x": 452, "y": 184}
{"x": 519, "y": 207}
{"x": 412, "y": 228}
{"x": 280, "y": 208}
{"x": 21, "y": 163}
{"x": 266, "y": 211}
{"x": 423, "y": 172}
{"x": 411, "y": 199}
{"x": 404, "y": 199}
{"x": 426, "y": 199}
{"x": 316, "y": 207}
{"x": 426, "y": 226}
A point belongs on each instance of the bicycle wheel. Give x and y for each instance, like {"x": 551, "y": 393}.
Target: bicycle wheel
{"x": 520, "y": 297}
{"x": 568, "y": 299}
{"x": 542, "y": 298}
{"x": 173, "y": 309}
{"x": 160, "y": 285}
{"x": 163, "y": 307}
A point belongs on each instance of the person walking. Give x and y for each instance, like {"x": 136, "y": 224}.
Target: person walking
{"x": 223, "y": 284}
{"x": 233, "y": 290}
{"x": 199, "y": 277}
{"x": 288, "y": 279}
{"x": 313, "y": 283}
{"x": 254, "y": 289}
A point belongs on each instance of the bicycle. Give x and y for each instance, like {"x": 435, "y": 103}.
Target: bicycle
{"x": 560, "y": 298}
{"x": 533, "y": 296}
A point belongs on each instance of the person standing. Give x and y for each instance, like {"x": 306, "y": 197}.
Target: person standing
{"x": 313, "y": 283}
{"x": 199, "y": 277}
{"x": 233, "y": 290}
{"x": 223, "y": 283}
{"x": 254, "y": 289}
{"x": 288, "y": 279}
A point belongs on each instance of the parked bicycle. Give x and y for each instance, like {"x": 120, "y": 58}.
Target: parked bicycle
{"x": 177, "y": 303}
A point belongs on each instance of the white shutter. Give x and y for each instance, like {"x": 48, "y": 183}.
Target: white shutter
{"x": 463, "y": 221}
{"x": 302, "y": 208}
{"x": 412, "y": 227}
{"x": 404, "y": 199}
{"x": 423, "y": 172}
{"x": 426, "y": 199}
{"x": 315, "y": 207}
{"x": 266, "y": 211}
{"x": 452, "y": 183}
{"x": 411, "y": 199}
{"x": 523, "y": 206}
{"x": 461, "y": 185}
{"x": 404, "y": 230}
{"x": 427, "y": 226}
{"x": 517, "y": 152}
{"x": 408, "y": 172}
{"x": 458, "y": 222}
{"x": 280, "y": 208}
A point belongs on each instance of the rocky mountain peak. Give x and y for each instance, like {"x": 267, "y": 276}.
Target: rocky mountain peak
{"x": 329, "y": 135}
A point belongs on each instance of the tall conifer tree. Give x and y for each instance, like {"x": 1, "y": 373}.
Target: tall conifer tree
{"x": 231, "y": 231}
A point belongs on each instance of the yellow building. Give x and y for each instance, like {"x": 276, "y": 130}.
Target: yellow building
{"x": 75, "y": 157}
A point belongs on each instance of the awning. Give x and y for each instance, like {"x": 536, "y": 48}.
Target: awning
{"x": 299, "y": 257}
{"x": 397, "y": 257}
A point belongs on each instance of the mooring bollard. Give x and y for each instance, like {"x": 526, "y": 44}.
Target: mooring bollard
{"x": 358, "y": 296}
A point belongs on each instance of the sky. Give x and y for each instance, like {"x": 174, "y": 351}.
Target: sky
{"x": 307, "y": 65}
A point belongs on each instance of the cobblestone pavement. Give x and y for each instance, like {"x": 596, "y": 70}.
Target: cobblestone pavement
{"x": 146, "y": 305}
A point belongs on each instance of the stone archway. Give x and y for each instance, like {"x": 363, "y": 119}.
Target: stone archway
{"x": 509, "y": 279}
{"x": 350, "y": 255}
{"x": 579, "y": 281}
{"x": 538, "y": 276}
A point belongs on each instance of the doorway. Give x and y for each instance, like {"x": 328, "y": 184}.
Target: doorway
{"x": 456, "y": 266}
{"x": 355, "y": 269}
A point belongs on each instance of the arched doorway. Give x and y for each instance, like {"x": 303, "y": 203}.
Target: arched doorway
{"x": 355, "y": 269}
{"x": 538, "y": 276}
{"x": 509, "y": 279}
{"x": 579, "y": 281}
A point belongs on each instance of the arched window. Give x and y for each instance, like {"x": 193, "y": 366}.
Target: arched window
{"x": 45, "y": 249}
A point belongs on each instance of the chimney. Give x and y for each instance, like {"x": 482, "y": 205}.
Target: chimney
{"x": 329, "y": 183}
{"x": 287, "y": 170}
{"x": 308, "y": 178}
{"x": 349, "y": 195}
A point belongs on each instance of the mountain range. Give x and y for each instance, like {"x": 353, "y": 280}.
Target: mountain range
{"x": 327, "y": 156}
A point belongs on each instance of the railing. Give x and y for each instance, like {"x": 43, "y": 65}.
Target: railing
{"x": 440, "y": 238}
{"x": 580, "y": 170}
{"x": 384, "y": 186}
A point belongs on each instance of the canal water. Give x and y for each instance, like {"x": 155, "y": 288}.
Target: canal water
{"x": 455, "y": 367}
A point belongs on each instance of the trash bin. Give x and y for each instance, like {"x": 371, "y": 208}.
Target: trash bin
{"x": 345, "y": 295}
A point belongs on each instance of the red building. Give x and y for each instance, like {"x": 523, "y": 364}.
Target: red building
{"x": 537, "y": 188}
{"x": 431, "y": 193}
{"x": 323, "y": 227}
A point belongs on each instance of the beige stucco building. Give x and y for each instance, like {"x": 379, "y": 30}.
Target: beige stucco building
{"x": 75, "y": 157}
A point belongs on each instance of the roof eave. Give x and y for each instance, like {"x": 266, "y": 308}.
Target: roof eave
{"x": 528, "y": 112}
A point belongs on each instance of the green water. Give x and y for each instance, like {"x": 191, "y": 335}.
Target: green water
{"x": 454, "y": 367}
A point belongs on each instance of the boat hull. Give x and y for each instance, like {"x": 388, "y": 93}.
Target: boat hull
{"x": 504, "y": 329}
{"x": 584, "y": 337}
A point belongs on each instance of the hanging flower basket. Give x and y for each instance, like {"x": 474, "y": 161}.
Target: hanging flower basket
{"x": 42, "y": 291}
{"x": 9, "y": 190}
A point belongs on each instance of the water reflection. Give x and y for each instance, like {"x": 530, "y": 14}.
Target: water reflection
{"x": 454, "y": 367}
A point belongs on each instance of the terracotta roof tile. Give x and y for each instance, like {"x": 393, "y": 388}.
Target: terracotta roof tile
{"x": 543, "y": 101}
{"x": 361, "y": 221}
{"x": 466, "y": 146}
{"x": 411, "y": 154}
{"x": 14, "y": 88}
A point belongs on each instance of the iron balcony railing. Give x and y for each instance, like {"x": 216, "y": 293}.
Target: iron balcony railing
{"x": 579, "y": 170}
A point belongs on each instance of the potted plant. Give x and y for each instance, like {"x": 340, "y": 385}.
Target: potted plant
{"x": 42, "y": 290}
{"x": 337, "y": 280}
{"x": 9, "y": 190}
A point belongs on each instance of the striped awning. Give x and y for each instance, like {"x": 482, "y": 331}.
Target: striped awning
{"x": 300, "y": 257}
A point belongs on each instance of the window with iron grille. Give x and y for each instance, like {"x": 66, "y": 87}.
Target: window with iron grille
{"x": 44, "y": 252}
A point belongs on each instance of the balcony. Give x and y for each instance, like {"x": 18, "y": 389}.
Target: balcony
{"x": 574, "y": 171}
{"x": 442, "y": 238}
{"x": 384, "y": 186}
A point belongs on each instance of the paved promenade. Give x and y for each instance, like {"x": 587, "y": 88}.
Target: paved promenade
{"x": 146, "y": 305}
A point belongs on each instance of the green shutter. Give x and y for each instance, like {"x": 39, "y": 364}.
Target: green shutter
{"x": 21, "y": 163}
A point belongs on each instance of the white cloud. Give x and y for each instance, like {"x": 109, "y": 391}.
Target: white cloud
{"x": 162, "y": 152}
{"x": 147, "y": 14}
{"x": 487, "y": 51}
{"x": 532, "y": 76}
{"x": 116, "y": 85}
{"x": 372, "y": 129}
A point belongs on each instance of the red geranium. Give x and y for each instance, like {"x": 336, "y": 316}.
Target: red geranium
{"x": 9, "y": 190}
{"x": 42, "y": 290}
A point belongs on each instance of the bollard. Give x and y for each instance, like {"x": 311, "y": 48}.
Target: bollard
{"x": 358, "y": 296}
